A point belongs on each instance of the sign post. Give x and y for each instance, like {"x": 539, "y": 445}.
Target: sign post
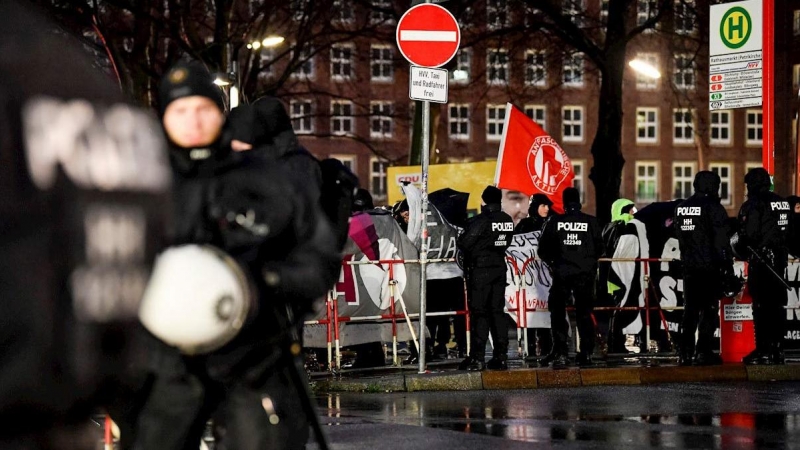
{"x": 741, "y": 64}
{"x": 428, "y": 36}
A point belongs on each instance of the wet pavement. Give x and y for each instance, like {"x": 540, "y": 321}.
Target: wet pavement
{"x": 745, "y": 415}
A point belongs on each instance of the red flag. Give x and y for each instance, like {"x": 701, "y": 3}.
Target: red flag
{"x": 530, "y": 160}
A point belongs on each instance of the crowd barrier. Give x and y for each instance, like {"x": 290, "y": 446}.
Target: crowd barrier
{"x": 333, "y": 320}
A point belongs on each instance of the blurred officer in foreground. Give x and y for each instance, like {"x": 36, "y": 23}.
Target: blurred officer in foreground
{"x": 764, "y": 223}
{"x": 268, "y": 232}
{"x": 570, "y": 245}
{"x": 84, "y": 180}
{"x": 707, "y": 262}
{"x": 484, "y": 243}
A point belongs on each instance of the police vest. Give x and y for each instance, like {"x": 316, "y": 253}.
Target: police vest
{"x": 501, "y": 233}
{"x": 572, "y": 233}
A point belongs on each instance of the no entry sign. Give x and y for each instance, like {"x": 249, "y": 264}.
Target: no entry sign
{"x": 428, "y": 35}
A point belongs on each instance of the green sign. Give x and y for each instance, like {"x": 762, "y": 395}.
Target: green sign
{"x": 735, "y": 27}
{"x": 716, "y": 96}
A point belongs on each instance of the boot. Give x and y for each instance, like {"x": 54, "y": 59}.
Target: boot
{"x": 776, "y": 355}
{"x": 757, "y": 357}
{"x": 560, "y": 361}
{"x": 471, "y": 364}
{"x": 707, "y": 359}
{"x": 685, "y": 359}
{"x": 583, "y": 359}
{"x": 497, "y": 364}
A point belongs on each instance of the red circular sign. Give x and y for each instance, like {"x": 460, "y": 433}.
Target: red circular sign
{"x": 428, "y": 35}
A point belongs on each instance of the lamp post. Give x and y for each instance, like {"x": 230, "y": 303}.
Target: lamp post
{"x": 233, "y": 65}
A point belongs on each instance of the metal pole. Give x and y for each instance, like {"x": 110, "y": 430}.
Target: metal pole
{"x": 423, "y": 252}
{"x": 768, "y": 108}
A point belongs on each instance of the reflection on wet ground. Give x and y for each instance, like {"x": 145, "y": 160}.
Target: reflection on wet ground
{"x": 743, "y": 415}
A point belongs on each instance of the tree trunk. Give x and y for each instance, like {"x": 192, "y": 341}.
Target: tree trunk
{"x": 606, "y": 174}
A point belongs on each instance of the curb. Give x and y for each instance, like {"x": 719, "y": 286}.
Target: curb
{"x": 549, "y": 378}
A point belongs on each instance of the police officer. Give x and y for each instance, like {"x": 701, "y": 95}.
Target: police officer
{"x": 483, "y": 245}
{"x": 764, "y": 223}
{"x": 706, "y": 256}
{"x": 85, "y": 193}
{"x": 570, "y": 245}
{"x": 239, "y": 203}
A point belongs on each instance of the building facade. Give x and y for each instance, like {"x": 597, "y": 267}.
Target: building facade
{"x": 358, "y": 110}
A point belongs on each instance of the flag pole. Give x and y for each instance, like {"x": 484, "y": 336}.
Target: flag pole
{"x": 509, "y": 108}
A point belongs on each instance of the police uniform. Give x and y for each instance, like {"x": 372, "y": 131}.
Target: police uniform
{"x": 764, "y": 221}
{"x": 571, "y": 243}
{"x": 483, "y": 244}
{"x": 247, "y": 207}
{"x": 706, "y": 256}
{"x": 84, "y": 207}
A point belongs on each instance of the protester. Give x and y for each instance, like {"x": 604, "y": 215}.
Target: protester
{"x": 763, "y": 237}
{"x": 237, "y": 202}
{"x": 539, "y": 211}
{"x": 611, "y": 289}
{"x": 570, "y": 245}
{"x": 483, "y": 244}
{"x": 85, "y": 202}
{"x": 706, "y": 257}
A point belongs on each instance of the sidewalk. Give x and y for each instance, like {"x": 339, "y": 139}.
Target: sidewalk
{"x": 524, "y": 378}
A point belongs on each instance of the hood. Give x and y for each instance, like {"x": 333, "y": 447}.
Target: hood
{"x": 706, "y": 182}
{"x": 757, "y": 181}
{"x": 616, "y": 210}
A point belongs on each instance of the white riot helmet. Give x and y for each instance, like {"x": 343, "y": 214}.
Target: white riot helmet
{"x": 197, "y": 300}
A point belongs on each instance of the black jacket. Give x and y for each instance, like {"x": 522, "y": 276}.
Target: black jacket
{"x": 84, "y": 202}
{"x": 571, "y": 242}
{"x": 764, "y": 221}
{"x": 531, "y": 224}
{"x": 700, "y": 226}
{"x": 486, "y": 238}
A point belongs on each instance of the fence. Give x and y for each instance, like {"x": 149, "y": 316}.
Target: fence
{"x": 333, "y": 320}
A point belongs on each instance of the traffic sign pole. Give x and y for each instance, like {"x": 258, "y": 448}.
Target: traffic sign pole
{"x": 423, "y": 252}
{"x": 768, "y": 109}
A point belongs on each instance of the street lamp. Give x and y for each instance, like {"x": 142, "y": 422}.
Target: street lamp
{"x": 267, "y": 42}
{"x": 233, "y": 66}
{"x": 644, "y": 68}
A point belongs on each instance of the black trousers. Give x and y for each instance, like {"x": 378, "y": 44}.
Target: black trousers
{"x": 265, "y": 412}
{"x": 486, "y": 291}
{"x": 769, "y": 298}
{"x": 701, "y": 293}
{"x": 581, "y": 287}
{"x": 447, "y": 295}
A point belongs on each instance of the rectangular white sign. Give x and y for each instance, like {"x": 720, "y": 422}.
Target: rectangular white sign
{"x": 735, "y": 27}
{"x": 427, "y": 84}
{"x": 737, "y": 312}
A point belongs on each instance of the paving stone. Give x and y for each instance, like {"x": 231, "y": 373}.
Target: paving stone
{"x": 558, "y": 378}
{"x": 510, "y": 379}
{"x": 459, "y": 381}
{"x": 610, "y": 376}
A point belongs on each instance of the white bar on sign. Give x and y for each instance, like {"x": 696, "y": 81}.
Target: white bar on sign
{"x": 427, "y": 36}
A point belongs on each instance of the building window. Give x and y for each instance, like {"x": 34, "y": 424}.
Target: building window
{"x": 377, "y": 178}
{"x": 724, "y": 172}
{"x": 682, "y": 126}
{"x": 645, "y": 10}
{"x": 796, "y": 23}
{"x": 682, "y": 179}
{"x": 575, "y": 10}
{"x": 572, "y": 123}
{"x": 348, "y": 161}
{"x": 495, "y": 119}
{"x": 537, "y": 113}
{"x": 305, "y": 63}
{"x": 381, "y": 124}
{"x": 341, "y": 61}
{"x": 342, "y": 118}
{"x": 381, "y": 63}
{"x": 643, "y": 81}
{"x": 463, "y": 67}
{"x": 685, "y": 16}
{"x": 343, "y": 11}
{"x": 646, "y": 125}
{"x": 684, "y": 71}
{"x": 604, "y": 11}
{"x": 301, "y": 112}
{"x": 755, "y": 127}
{"x": 573, "y": 70}
{"x": 266, "y": 62}
{"x": 579, "y": 182}
{"x": 720, "y": 128}
{"x": 497, "y": 66}
{"x": 497, "y": 14}
{"x": 535, "y": 71}
{"x": 299, "y": 9}
{"x": 382, "y": 12}
{"x": 646, "y": 182}
{"x": 459, "y": 121}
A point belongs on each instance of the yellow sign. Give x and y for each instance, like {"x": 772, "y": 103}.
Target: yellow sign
{"x": 466, "y": 177}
